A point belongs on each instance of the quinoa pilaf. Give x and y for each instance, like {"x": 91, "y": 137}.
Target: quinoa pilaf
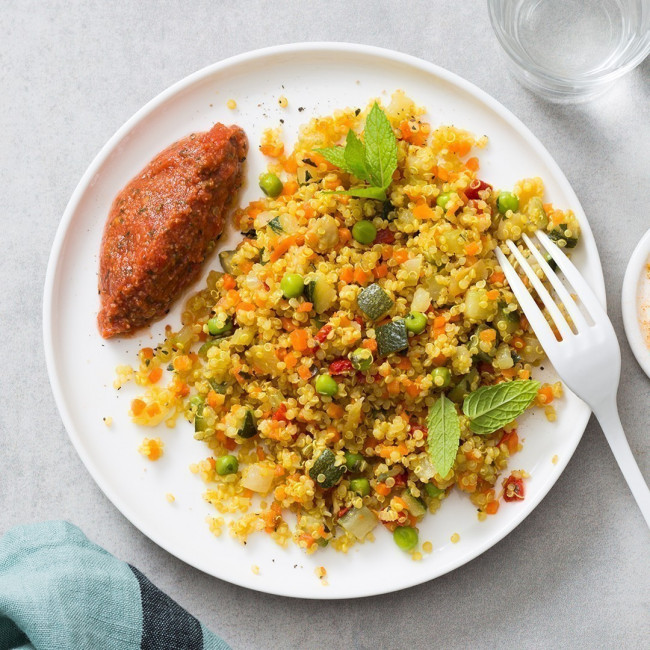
{"x": 310, "y": 365}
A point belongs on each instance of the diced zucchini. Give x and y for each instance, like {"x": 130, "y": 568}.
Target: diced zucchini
{"x": 324, "y": 470}
{"x": 391, "y": 337}
{"x": 218, "y": 387}
{"x": 433, "y": 490}
{"x": 507, "y": 321}
{"x": 559, "y": 234}
{"x": 225, "y": 257}
{"x": 374, "y": 302}
{"x": 320, "y": 293}
{"x": 199, "y": 421}
{"x": 536, "y": 213}
{"x": 358, "y": 522}
{"x": 248, "y": 427}
{"x": 477, "y": 304}
{"x": 463, "y": 387}
{"x": 415, "y": 506}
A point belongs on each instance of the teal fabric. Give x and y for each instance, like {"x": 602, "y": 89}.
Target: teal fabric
{"x": 59, "y": 591}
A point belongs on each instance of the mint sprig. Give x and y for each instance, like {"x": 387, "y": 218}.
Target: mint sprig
{"x": 491, "y": 407}
{"x": 443, "y": 435}
{"x": 372, "y": 160}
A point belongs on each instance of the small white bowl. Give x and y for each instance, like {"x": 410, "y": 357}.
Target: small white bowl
{"x": 635, "y": 303}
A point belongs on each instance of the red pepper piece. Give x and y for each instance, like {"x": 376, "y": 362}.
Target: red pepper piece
{"x": 340, "y": 367}
{"x": 384, "y": 236}
{"x": 475, "y": 187}
{"x": 514, "y": 489}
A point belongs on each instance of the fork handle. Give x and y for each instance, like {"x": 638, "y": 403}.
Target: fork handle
{"x": 610, "y": 422}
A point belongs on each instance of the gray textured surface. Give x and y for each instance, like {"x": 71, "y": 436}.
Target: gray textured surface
{"x": 576, "y": 573}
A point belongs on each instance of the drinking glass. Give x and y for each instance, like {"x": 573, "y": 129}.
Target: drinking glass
{"x": 571, "y": 50}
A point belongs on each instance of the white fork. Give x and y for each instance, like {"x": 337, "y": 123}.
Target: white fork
{"x": 589, "y": 360}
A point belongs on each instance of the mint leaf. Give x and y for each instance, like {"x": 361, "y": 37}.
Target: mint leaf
{"x": 491, "y": 407}
{"x": 381, "y": 148}
{"x": 366, "y": 193}
{"x": 443, "y": 437}
{"x": 355, "y": 156}
{"x": 335, "y": 155}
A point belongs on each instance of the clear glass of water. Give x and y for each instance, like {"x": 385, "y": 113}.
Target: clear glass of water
{"x": 571, "y": 50}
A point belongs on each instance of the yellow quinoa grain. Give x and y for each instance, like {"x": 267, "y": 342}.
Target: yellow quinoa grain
{"x": 282, "y": 101}
{"x": 427, "y": 547}
{"x": 170, "y": 497}
{"x": 455, "y": 538}
{"x": 255, "y": 569}
{"x": 231, "y": 104}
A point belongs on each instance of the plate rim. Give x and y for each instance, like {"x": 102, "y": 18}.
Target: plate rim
{"x": 334, "y": 48}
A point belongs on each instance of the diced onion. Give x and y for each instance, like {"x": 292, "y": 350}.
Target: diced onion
{"x": 257, "y": 478}
{"x": 359, "y": 522}
{"x": 421, "y": 300}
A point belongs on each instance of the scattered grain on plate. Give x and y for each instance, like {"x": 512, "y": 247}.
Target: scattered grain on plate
{"x": 283, "y": 101}
{"x": 427, "y": 547}
{"x": 550, "y": 413}
{"x": 417, "y": 556}
{"x": 231, "y": 104}
{"x": 108, "y": 421}
{"x": 320, "y": 571}
{"x": 555, "y": 459}
{"x": 152, "y": 448}
{"x": 455, "y": 538}
{"x": 255, "y": 569}
{"x": 170, "y": 497}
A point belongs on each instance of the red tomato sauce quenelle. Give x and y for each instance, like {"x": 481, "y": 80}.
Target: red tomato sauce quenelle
{"x": 162, "y": 225}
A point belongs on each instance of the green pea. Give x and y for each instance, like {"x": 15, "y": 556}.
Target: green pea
{"x": 507, "y": 201}
{"x": 361, "y": 486}
{"x": 405, "y": 537}
{"x": 326, "y": 385}
{"x": 292, "y": 285}
{"x": 441, "y": 377}
{"x": 270, "y": 184}
{"x": 353, "y": 461}
{"x": 361, "y": 359}
{"x": 433, "y": 490}
{"x": 216, "y": 327}
{"x": 364, "y": 232}
{"x": 415, "y": 322}
{"x": 443, "y": 199}
{"x": 227, "y": 465}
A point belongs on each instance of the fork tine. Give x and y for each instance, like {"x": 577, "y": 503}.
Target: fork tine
{"x": 542, "y": 292}
{"x": 569, "y": 303}
{"x": 580, "y": 286}
{"x": 533, "y": 313}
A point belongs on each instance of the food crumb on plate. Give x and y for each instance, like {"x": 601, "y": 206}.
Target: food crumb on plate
{"x": 108, "y": 420}
{"x": 555, "y": 459}
{"x": 283, "y": 101}
{"x": 455, "y": 538}
{"x": 255, "y": 569}
{"x": 427, "y": 547}
{"x": 321, "y": 574}
{"x": 231, "y": 104}
{"x": 170, "y": 497}
{"x": 152, "y": 448}
{"x": 417, "y": 556}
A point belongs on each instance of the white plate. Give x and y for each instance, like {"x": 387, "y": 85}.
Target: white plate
{"x": 316, "y": 77}
{"x": 635, "y": 303}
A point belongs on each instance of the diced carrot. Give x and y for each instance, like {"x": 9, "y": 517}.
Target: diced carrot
{"x": 369, "y": 344}
{"x": 524, "y": 374}
{"x": 472, "y": 248}
{"x": 180, "y": 389}
{"x": 246, "y": 306}
{"x": 228, "y": 281}
{"x": 279, "y": 470}
{"x": 380, "y": 271}
{"x": 282, "y": 247}
{"x": 442, "y": 174}
{"x": 152, "y": 410}
{"x": 393, "y": 388}
{"x": 548, "y": 207}
{"x": 498, "y": 277}
{"x": 344, "y": 235}
{"x": 492, "y": 508}
{"x": 401, "y": 255}
{"x": 335, "y": 411}
{"x": 155, "y": 375}
{"x": 383, "y": 489}
{"x": 137, "y": 406}
{"x": 517, "y": 343}
{"x": 146, "y": 353}
{"x": 290, "y": 165}
{"x": 290, "y": 360}
{"x": 412, "y": 388}
{"x": 260, "y": 453}
{"x": 462, "y": 147}
{"x": 493, "y": 294}
{"x": 545, "y": 395}
{"x": 309, "y": 211}
{"x": 287, "y": 324}
{"x": 360, "y": 276}
{"x": 440, "y": 360}
{"x": 299, "y": 339}
{"x": 488, "y": 335}
{"x": 404, "y": 364}
{"x": 280, "y": 353}
{"x": 508, "y": 372}
{"x": 272, "y": 150}
{"x": 233, "y": 297}
{"x": 304, "y": 372}
{"x": 213, "y": 399}
{"x": 347, "y": 274}
{"x": 439, "y": 321}
{"x": 472, "y": 164}
{"x": 289, "y": 188}
{"x": 305, "y": 306}
{"x": 423, "y": 211}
